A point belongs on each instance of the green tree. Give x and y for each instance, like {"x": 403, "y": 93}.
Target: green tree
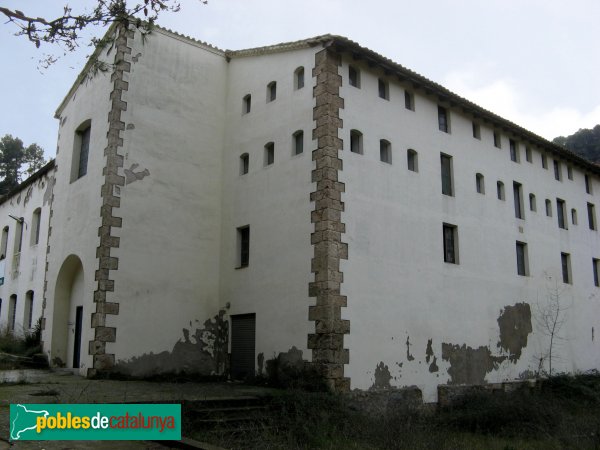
{"x": 17, "y": 160}
{"x": 585, "y": 142}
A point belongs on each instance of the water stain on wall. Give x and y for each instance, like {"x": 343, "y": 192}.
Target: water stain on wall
{"x": 515, "y": 326}
{"x": 469, "y": 365}
{"x": 382, "y": 377}
{"x": 203, "y": 353}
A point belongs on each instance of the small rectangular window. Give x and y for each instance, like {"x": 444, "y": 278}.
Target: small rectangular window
{"x": 479, "y": 183}
{"x": 500, "y": 190}
{"x": 409, "y": 100}
{"x": 385, "y": 151}
{"x": 532, "y": 203}
{"x": 298, "y": 142}
{"x": 19, "y": 235}
{"x": 354, "y": 76}
{"x": 595, "y": 264}
{"x": 518, "y": 199}
{"x": 588, "y": 184}
{"x": 243, "y": 246}
{"x": 565, "y": 260}
{"x": 497, "y": 140}
{"x": 544, "y": 161}
{"x": 269, "y": 154}
{"x": 561, "y": 213}
{"x": 12, "y": 312}
{"x": 35, "y": 226}
{"x": 246, "y": 104}
{"x": 570, "y": 173}
{"x": 574, "y": 216}
{"x": 476, "y": 130}
{"x": 412, "y": 160}
{"x": 271, "y": 91}
{"x": 446, "y": 172}
{"x": 299, "y": 78}
{"x": 557, "y": 171}
{"x": 450, "y": 236}
{"x": 356, "y": 144}
{"x": 244, "y": 164}
{"x": 384, "y": 89}
{"x": 4, "y": 243}
{"x": 528, "y": 155}
{"x": 548, "y": 208}
{"x": 522, "y": 261}
{"x": 591, "y": 210}
{"x": 514, "y": 151}
{"x": 443, "y": 119}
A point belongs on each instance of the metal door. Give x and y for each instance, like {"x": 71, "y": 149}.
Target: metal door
{"x": 243, "y": 337}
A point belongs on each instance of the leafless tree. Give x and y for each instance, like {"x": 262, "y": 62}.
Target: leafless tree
{"x": 550, "y": 317}
{"x": 65, "y": 31}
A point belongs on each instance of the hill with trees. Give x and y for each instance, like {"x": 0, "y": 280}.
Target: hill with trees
{"x": 585, "y": 142}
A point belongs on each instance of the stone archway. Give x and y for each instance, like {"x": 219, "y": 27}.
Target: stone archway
{"x": 68, "y": 303}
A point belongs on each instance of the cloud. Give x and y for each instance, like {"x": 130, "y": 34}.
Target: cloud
{"x": 505, "y": 98}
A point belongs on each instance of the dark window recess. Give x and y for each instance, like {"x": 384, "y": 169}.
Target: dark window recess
{"x": 450, "y": 254}
{"x": 84, "y": 151}
{"x": 561, "y": 213}
{"x": 443, "y": 119}
{"x": 591, "y": 210}
{"x": 518, "y": 197}
{"x": 446, "y": 164}
{"x": 521, "y": 259}
{"x": 244, "y": 237}
{"x": 566, "y": 267}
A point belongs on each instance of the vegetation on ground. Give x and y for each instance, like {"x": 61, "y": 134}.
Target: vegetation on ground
{"x": 557, "y": 413}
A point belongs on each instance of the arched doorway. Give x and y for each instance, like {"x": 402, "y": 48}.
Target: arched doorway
{"x": 68, "y": 314}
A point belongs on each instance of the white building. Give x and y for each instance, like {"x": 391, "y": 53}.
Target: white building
{"x": 213, "y": 209}
{"x": 24, "y": 214}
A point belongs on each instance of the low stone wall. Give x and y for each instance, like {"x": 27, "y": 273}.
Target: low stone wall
{"x": 386, "y": 402}
{"x": 449, "y": 394}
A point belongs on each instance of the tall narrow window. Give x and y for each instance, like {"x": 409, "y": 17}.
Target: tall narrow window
{"x": 591, "y": 210}
{"x": 443, "y": 119}
{"x": 479, "y": 183}
{"x": 28, "y": 312}
{"x": 412, "y": 160}
{"x": 385, "y": 151}
{"x": 356, "y": 142}
{"x": 497, "y": 140}
{"x": 35, "y": 226}
{"x": 476, "y": 130}
{"x": 299, "y": 78}
{"x": 528, "y": 155}
{"x": 12, "y": 311}
{"x": 557, "y": 171}
{"x": 271, "y": 91}
{"x": 532, "y": 203}
{"x": 588, "y": 184}
{"x": 500, "y": 190}
{"x": 573, "y": 216}
{"x": 244, "y": 164}
{"x": 246, "y": 104}
{"x": 522, "y": 262}
{"x": 298, "y": 140}
{"x": 446, "y": 169}
{"x": 4, "y": 243}
{"x": 243, "y": 246}
{"x": 565, "y": 263}
{"x": 409, "y": 100}
{"x": 514, "y": 151}
{"x": 595, "y": 269}
{"x": 19, "y": 235}
{"x": 518, "y": 199}
{"x": 544, "y": 161}
{"x": 561, "y": 213}
{"x": 570, "y": 173}
{"x": 269, "y": 153}
{"x": 354, "y": 76}
{"x": 450, "y": 236}
{"x": 81, "y": 150}
{"x": 548, "y": 208}
{"x": 384, "y": 89}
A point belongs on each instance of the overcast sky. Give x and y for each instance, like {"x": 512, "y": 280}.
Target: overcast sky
{"x": 535, "y": 62}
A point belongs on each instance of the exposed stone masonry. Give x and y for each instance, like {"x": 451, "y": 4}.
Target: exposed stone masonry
{"x": 327, "y": 343}
{"x": 103, "y": 361}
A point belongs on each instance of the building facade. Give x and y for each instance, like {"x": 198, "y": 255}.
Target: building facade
{"x": 214, "y": 209}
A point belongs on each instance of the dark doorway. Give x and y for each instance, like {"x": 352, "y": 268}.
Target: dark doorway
{"x": 243, "y": 338}
{"x": 77, "y": 343}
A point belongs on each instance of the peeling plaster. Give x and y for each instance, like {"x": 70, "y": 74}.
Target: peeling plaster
{"x": 468, "y": 365}
{"x": 131, "y": 176}
{"x": 382, "y": 377}
{"x": 515, "y": 325}
{"x": 49, "y": 189}
{"x": 203, "y": 353}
